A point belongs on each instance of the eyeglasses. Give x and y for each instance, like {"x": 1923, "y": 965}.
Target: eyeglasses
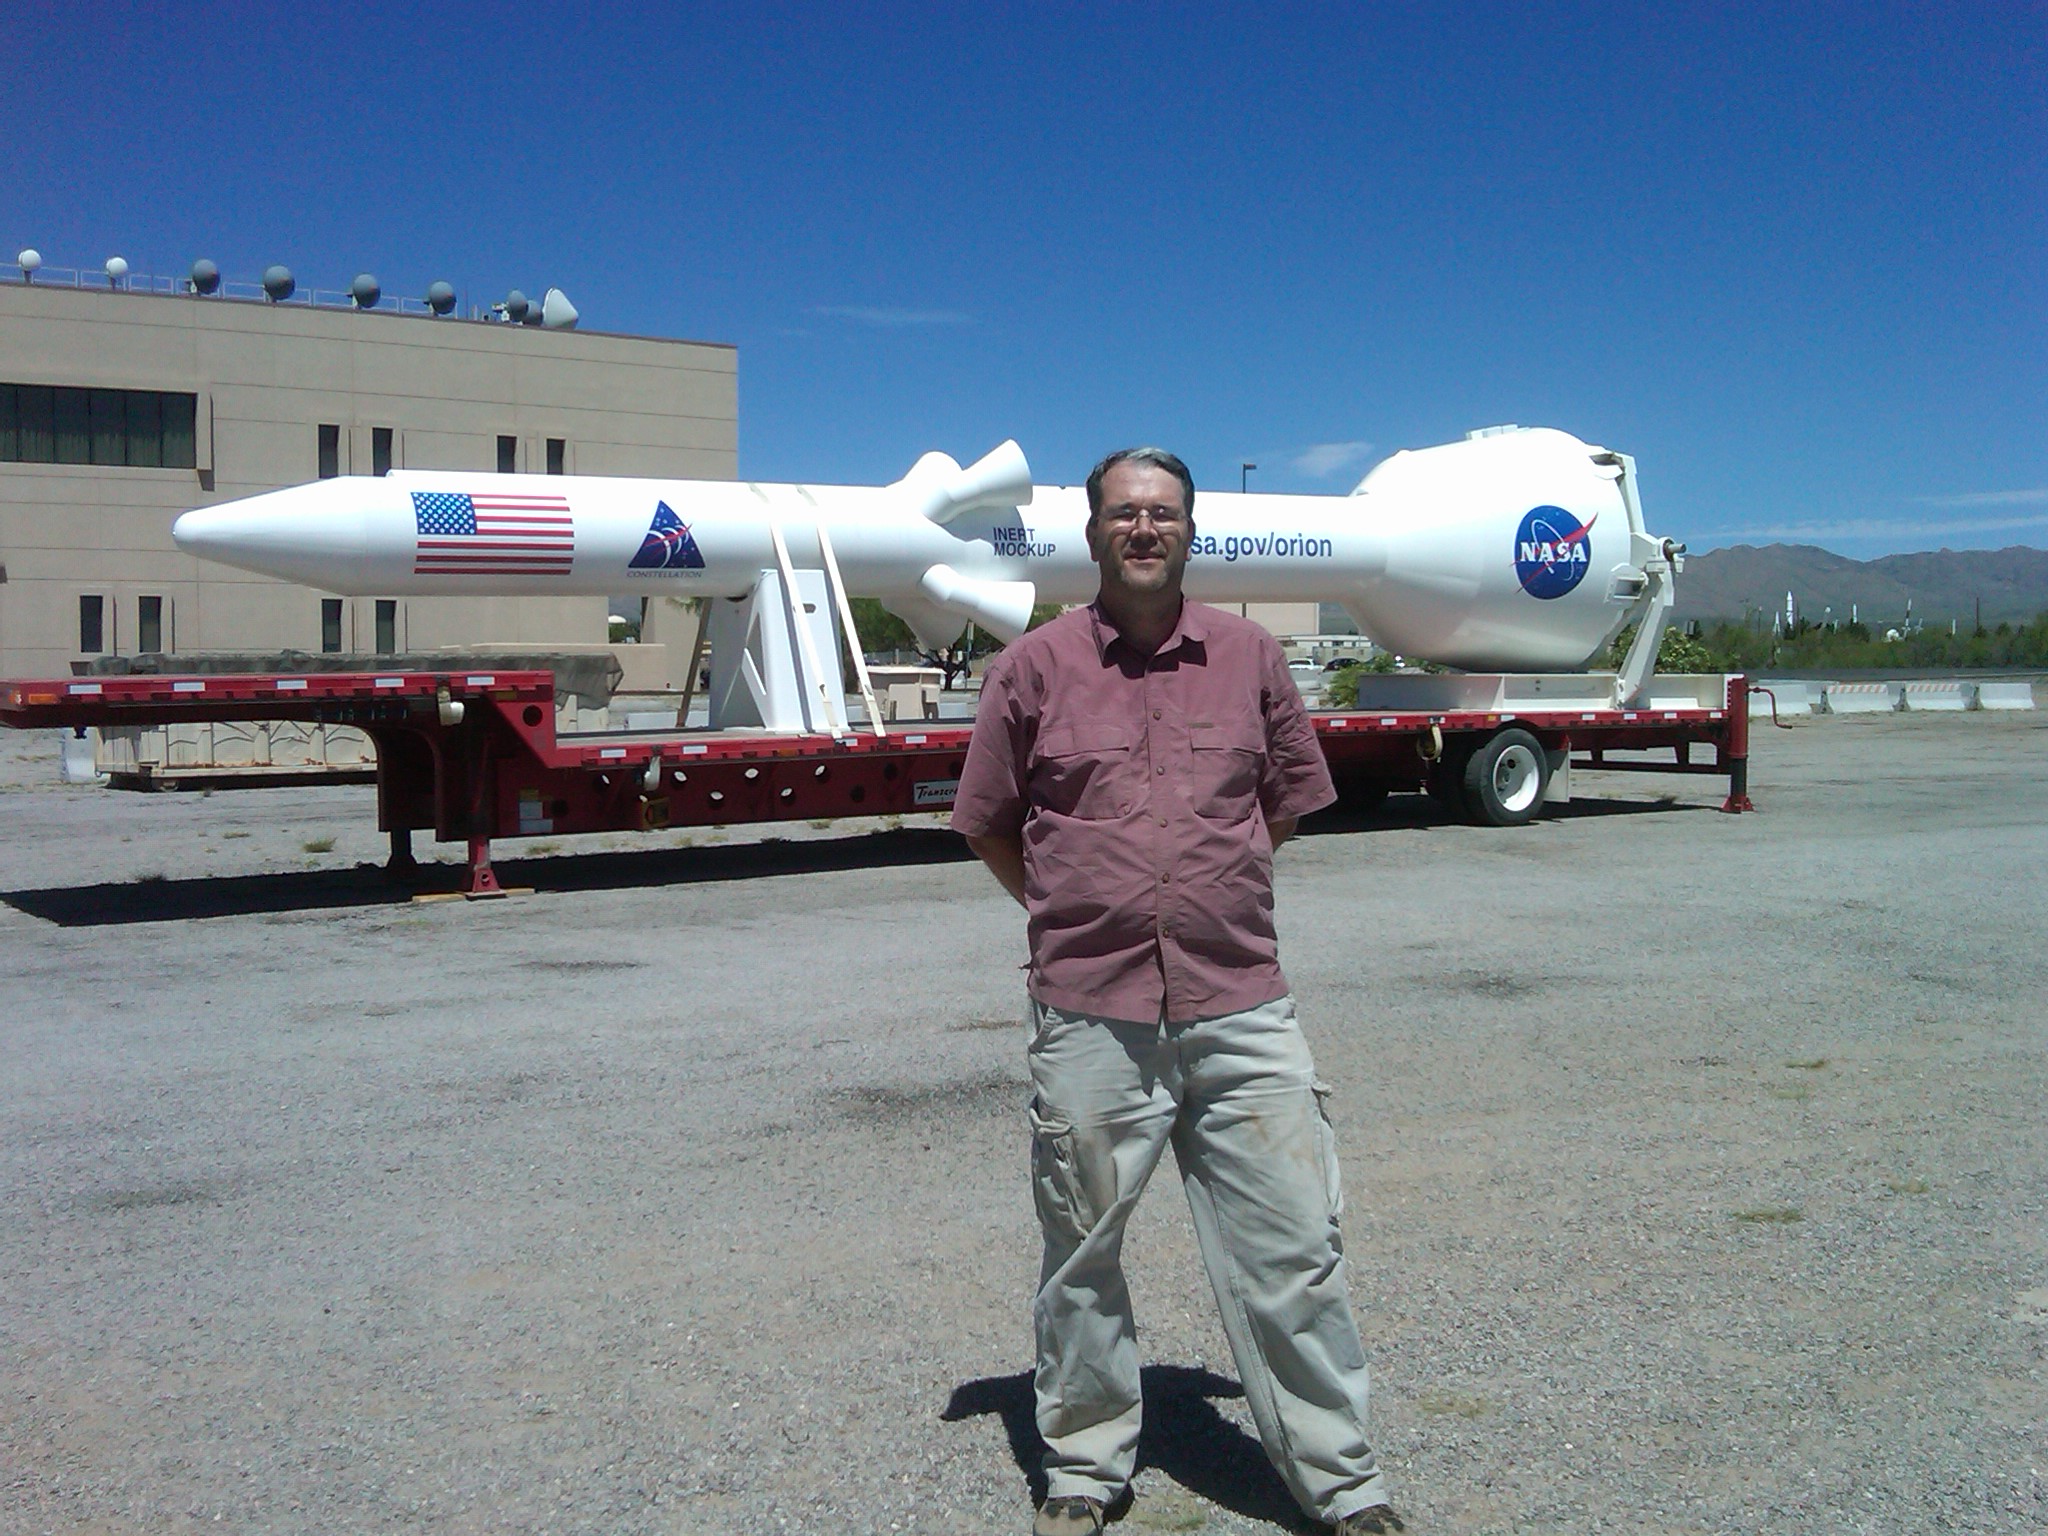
{"x": 1164, "y": 519}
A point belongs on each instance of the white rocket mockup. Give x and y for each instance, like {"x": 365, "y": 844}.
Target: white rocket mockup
{"x": 1512, "y": 550}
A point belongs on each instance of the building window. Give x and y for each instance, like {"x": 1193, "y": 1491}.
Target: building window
{"x": 56, "y": 424}
{"x": 149, "y": 625}
{"x": 387, "y": 626}
{"x": 380, "y": 450}
{"x": 508, "y": 455}
{"x": 330, "y": 450}
{"x": 92, "y": 629}
{"x": 558, "y": 453}
{"x": 330, "y": 624}
{"x": 74, "y": 426}
{"x": 109, "y": 416}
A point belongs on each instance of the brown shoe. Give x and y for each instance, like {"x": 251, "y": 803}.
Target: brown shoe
{"x": 1068, "y": 1515}
{"x": 1378, "y": 1520}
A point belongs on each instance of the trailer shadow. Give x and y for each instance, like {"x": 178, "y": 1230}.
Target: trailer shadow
{"x": 1184, "y": 1437}
{"x": 113, "y": 903}
{"x": 1412, "y": 812}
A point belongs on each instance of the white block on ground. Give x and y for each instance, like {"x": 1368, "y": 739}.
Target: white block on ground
{"x": 1863, "y": 698}
{"x": 1940, "y": 695}
{"x": 2005, "y": 695}
{"x": 79, "y": 766}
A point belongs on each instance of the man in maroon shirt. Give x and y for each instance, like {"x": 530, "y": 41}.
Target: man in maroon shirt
{"x": 1133, "y": 766}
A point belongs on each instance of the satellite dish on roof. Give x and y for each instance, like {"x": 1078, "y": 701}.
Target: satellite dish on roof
{"x": 117, "y": 268}
{"x": 279, "y": 283}
{"x": 516, "y": 305}
{"x": 205, "y": 276}
{"x": 365, "y": 291}
{"x": 556, "y": 312}
{"x": 440, "y": 297}
{"x": 29, "y": 260}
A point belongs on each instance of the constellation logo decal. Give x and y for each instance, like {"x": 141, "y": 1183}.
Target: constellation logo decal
{"x": 668, "y": 545}
{"x": 1552, "y": 552}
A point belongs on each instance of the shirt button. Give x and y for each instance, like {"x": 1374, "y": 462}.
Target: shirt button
{"x": 1125, "y": 810}
{"x": 1155, "y": 714}
{"x": 1166, "y": 879}
{"x": 1162, "y": 768}
{"x": 1162, "y": 821}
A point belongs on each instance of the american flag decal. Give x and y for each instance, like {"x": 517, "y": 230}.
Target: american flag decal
{"x": 500, "y": 533}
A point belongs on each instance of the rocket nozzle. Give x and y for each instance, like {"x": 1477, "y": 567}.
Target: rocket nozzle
{"x": 1003, "y": 608}
{"x": 941, "y": 490}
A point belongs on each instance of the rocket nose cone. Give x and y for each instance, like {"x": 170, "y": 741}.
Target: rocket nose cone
{"x": 202, "y": 531}
{"x": 314, "y": 534}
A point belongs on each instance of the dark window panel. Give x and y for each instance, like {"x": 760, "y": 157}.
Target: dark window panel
{"x": 92, "y": 633}
{"x": 330, "y": 624}
{"x": 38, "y": 407}
{"x": 387, "y": 627}
{"x": 181, "y": 431}
{"x": 10, "y": 423}
{"x": 149, "y": 625}
{"x": 74, "y": 426}
{"x": 330, "y": 450}
{"x": 558, "y": 453}
{"x": 109, "y": 416}
{"x": 145, "y": 427}
{"x": 380, "y": 450}
{"x": 508, "y": 455}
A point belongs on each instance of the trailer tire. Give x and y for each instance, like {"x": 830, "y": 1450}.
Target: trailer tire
{"x": 1505, "y": 778}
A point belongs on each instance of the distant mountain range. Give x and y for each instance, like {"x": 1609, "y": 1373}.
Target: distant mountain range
{"x": 2011, "y": 584}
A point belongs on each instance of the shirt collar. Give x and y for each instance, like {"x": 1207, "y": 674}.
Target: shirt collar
{"x": 1189, "y": 626}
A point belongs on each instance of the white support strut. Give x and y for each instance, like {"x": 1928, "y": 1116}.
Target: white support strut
{"x": 845, "y": 609}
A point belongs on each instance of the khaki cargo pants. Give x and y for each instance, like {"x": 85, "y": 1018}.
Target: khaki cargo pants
{"x": 1238, "y": 1098}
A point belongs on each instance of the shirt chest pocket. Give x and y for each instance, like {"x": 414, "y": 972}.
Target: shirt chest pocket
{"x": 1084, "y": 771}
{"x": 1226, "y": 763}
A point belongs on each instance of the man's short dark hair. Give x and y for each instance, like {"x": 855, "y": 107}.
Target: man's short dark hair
{"x": 1158, "y": 458}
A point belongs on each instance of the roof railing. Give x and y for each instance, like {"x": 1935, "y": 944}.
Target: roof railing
{"x": 240, "y": 292}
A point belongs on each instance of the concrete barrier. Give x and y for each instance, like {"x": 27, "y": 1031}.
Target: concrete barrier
{"x": 2005, "y": 695}
{"x": 1949, "y": 695}
{"x": 1863, "y": 698}
{"x": 1794, "y": 698}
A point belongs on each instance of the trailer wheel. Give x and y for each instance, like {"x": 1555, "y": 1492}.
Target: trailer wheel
{"x": 1505, "y": 778}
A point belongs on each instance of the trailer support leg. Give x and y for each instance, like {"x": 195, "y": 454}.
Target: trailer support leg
{"x": 401, "y": 866}
{"x": 479, "y": 880}
{"x": 1734, "y": 753}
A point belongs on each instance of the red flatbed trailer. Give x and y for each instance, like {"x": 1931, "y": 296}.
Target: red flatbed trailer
{"x": 474, "y": 755}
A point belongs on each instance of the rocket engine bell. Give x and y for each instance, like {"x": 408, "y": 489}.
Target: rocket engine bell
{"x": 1511, "y": 550}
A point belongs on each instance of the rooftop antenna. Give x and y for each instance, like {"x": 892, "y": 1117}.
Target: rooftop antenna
{"x": 514, "y": 307}
{"x": 117, "y": 271}
{"x": 556, "y": 312}
{"x": 29, "y": 260}
{"x": 278, "y": 283}
{"x": 364, "y": 292}
{"x": 205, "y": 277}
{"x": 440, "y": 298}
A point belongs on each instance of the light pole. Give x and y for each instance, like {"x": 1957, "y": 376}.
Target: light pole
{"x": 1244, "y": 472}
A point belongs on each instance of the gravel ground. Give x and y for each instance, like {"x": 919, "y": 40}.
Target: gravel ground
{"x": 1695, "y": 1168}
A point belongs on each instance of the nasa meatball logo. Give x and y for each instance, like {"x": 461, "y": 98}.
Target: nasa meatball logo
{"x": 1551, "y": 552}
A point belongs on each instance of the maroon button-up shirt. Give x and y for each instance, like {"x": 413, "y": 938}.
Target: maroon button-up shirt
{"x": 1141, "y": 787}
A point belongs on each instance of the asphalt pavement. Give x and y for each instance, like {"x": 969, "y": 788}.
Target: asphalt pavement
{"x": 1694, "y": 1163}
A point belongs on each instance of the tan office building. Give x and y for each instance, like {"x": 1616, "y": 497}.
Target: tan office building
{"x": 119, "y": 410}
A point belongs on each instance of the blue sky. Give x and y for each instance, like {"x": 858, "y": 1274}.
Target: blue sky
{"x": 1794, "y": 259}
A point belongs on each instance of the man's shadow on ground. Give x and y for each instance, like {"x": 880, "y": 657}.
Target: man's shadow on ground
{"x": 1184, "y": 1437}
